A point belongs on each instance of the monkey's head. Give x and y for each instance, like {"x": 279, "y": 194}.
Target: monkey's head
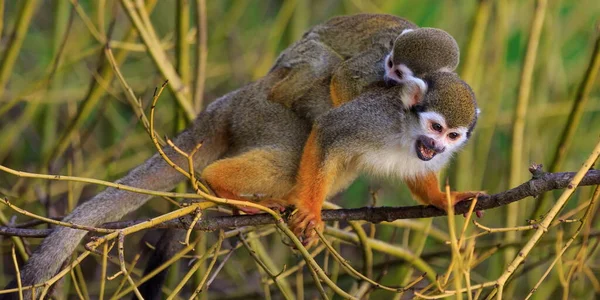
{"x": 446, "y": 115}
{"x": 417, "y": 52}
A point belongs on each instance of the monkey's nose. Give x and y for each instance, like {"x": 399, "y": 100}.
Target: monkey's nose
{"x": 432, "y": 144}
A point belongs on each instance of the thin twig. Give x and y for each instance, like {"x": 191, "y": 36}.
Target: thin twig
{"x": 198, "y": 289}
{"x": 52, "y": 221}
{"x": 275, "y": 277}
{"x": 214, "y": 249}
{"x": 120, "y": 247}
{"x": 17, "y": 271}
{"x": 201, "y": 54}
{"x": 571, "y": 240}
{"x": 140, "y": 19}
{"x": 518, "y": 132}
{"x": 543, "y": 226}
{"x": 581, "y": 99}
{"x": 353, "y": 271}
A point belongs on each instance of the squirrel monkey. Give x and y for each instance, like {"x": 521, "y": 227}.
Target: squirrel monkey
{"x": 376, "y": 133}
{"x": 251, "y": 145}
{"x": 357, "y": 51}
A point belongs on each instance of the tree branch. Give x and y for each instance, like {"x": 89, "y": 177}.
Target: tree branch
{"x": 541, "y": 182}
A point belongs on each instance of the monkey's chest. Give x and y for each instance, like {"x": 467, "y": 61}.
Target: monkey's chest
{"x": 391, "y": 162}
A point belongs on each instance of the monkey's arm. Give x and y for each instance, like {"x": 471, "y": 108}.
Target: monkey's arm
{"x": 426, "y": 190}
{"x": 352, "y": 76}
{"x": 315, "y": 177}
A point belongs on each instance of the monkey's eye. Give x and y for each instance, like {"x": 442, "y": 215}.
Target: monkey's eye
{"x": 399, "y": 74}
{"x": 437, "y": 127}
{"x": 390, "y": 64}
{"x": 453, "y": 135}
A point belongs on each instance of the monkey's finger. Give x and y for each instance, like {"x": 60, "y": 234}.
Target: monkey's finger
{"x": 298, "y": 225}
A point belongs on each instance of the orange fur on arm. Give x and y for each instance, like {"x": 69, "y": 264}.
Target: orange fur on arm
{"x": 337, "y": 98}
{"x": 314, "y": 178}
{"x": 426, "y": 190}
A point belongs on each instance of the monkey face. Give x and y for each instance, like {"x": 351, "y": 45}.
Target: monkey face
{"x": 433, "y": 136}
{"x": 400, "y": 74}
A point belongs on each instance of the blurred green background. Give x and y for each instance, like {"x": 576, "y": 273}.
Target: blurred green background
{"x": 60, "y": 68}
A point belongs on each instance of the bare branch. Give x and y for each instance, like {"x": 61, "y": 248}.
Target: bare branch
{"x": 541, "y": 183}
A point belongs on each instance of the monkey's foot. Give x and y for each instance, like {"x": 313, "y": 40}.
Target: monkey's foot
{"x": 304, "y": 223}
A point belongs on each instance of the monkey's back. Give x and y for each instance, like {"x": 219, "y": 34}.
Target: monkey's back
{"x": 350, "y": 35}
{"x": 256, "y": 121}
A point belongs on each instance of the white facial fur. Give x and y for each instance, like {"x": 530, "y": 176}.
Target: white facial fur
{"x": 444, "y": 137}
{"x": 401, "y": 74}
{"x": 399, "y": 156}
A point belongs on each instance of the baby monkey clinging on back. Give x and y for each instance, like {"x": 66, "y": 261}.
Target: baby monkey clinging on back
{"x": 355, "y": 52}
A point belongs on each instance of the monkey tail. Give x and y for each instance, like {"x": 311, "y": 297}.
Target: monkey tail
{"x": 210, "y": 128}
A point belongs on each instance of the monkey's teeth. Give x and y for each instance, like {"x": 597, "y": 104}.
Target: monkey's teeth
{"x": 427, "y": 153}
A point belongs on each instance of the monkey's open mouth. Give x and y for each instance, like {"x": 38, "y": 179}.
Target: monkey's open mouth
{"x": 423, "y": 152}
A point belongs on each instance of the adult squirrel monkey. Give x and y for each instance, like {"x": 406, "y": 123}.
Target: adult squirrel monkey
{"x": 254, "y": 146}
{"x": 378, "y": 134}
{"x": 357, "y": 51}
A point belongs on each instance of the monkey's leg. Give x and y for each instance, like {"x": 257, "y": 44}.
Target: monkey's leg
{"x": 353, "y": 75}
{"x": 306, "y": 62}
{"x": 427, "y": 191}
{"x": 315, "y": 178}
{"x": 263, "y": 172}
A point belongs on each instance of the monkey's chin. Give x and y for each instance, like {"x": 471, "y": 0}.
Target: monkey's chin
{"x": 424, "y": 153}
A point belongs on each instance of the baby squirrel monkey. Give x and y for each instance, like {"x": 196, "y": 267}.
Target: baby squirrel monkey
{"x": 414, "y": 53}
{"x": 379, "y": 134}
{"x": 357, "y": 51}
{"x": 253, "y": 146}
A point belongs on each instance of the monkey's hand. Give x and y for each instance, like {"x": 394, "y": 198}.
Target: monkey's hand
{"x": 414, "y": 91}
{"x": 441, "y": 200}
{"x": 461, "y": 196}
{"x": 426, "y": 190}
{"x": 304, "y": 223}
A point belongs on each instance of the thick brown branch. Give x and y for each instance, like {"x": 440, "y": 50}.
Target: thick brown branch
{"x": 541, "y": 183}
